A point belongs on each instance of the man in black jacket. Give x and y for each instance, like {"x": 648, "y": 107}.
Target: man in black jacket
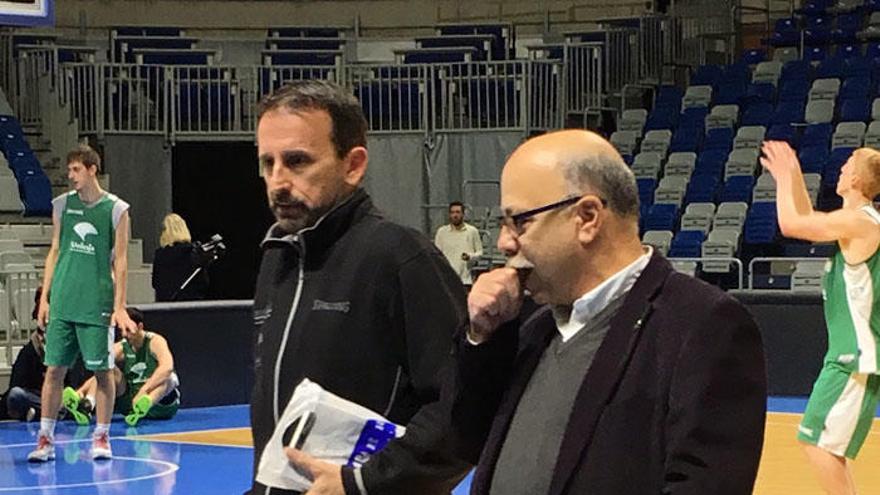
{"x": 634, "y": 379}
{"x": 362, "y": 306}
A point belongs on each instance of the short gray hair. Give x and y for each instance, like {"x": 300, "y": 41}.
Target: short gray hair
{"x": 606, "y": 175}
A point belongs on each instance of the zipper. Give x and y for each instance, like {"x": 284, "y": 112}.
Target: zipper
{"x": 299, "y": 285}
{"x": 393, "y": 391}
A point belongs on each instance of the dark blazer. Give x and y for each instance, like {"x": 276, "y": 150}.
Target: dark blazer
{"x": 673, "y": 403}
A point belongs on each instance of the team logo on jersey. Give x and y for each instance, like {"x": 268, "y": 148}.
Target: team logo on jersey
{"x": 83, "y": 229}
{"x": 137, "y": 371}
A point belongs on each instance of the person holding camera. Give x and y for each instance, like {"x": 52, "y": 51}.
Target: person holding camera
{"x": 86, "y": 271}
{"x": 174, "y": 261}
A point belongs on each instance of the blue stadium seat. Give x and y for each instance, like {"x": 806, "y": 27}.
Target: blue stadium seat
{"x": 693, "y": 117}
{"x": 710, "y": 162}
{"x": 817, "y": 37}
{"x": 783, "y": 132}
{"x": 847, "y": 27}
{"x": 708, "y": 75}
{"x": 646, "y": 191}
{"x": 871, "y": 6}
{"x": 760, "y": 226}
{"x": 788, "y": 112}
{"x": 858, "y": 67}
{"x": 738, "y": 188}
{"x": 817, "y": 21}
{"x": 872, "y": 49}
{"x": 686, "y": 244}
{"x": 838, "y": 157}
{"x": 794, "y": 90}
{"x": 818, "y": 135}
{"x": 662, "y": 117}
{"x": 702, "y": 188}
{"x": 785, "y": 33}
{"x": 754, "y": 56}
{"x": 757, "y": 114}
{"x": 815, "y": 53}
{"x": 855, "y": 110}
{"x": 731, "y": 92}
{"x": 760, "y": 92}
{"x": 36, "y": 194}
{"x": 814, "y": 7}
{"x": 796, "y": 69}
{"x": 855, "y": 87}
{"x": 662, "y": 217}
{"x": 668, "y": 96}
{"x": 813, "y": 158}
{"x": 720, "y": 138}
{"x": 739, "y": 71}
{"x": 686, "y": 138}
{"x": 848, "y": 51}
{"x": 831, "y": 67}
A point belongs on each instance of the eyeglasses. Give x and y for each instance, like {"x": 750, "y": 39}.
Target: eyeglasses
{"x": 516, "y": 223}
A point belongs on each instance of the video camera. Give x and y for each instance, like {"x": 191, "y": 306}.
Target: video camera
{"x": 205, "y": 253}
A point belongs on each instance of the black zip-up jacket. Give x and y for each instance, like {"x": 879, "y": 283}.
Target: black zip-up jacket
{"x": 367, "y": 309}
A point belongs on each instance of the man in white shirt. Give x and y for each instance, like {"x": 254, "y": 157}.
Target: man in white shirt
{"x": 460, "y": 242}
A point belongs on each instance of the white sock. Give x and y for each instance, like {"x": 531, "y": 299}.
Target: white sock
{"x": 91, "y": 399}
{"x": 47, "y": 427}
{"x": 101, "y": 429}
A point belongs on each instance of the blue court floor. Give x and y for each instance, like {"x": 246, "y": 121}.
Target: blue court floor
{"x": 145, "y": 464}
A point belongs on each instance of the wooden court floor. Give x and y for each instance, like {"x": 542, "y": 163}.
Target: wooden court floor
{"x": 784, "y": 469}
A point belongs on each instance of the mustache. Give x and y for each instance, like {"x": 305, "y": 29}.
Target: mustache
{"x": 284, "y": 198}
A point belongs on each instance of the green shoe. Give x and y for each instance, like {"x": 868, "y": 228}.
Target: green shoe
{"x": 139, "y": 409}
{"x": 71, "y": 399}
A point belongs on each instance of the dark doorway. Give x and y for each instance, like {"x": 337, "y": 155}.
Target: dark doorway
{"x": 217, "y": 190}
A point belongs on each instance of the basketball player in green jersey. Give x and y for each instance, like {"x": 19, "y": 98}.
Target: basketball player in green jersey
{"x": 146, "y": 384}
{"x": 85, "y": 278}
{"x": 845, "y": 395}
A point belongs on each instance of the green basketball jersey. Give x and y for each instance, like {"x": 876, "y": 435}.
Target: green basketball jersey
{"x": 852, "y": 310}
{"x": 82, "y": 285}
{"x": 138, "y": 366}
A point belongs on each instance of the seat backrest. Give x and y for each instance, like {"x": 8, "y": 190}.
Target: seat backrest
{"x": 705, "y": 209}
{"x": 732, "y": 208}
{"x": 639, "y": 114}
{"x": 751, "y": 132}
{"x": 827, "y": 84}
{"x": 14, "y": 257}
{"x": 819, "y": 111}
{"x": 743, "y": 156}
{"x": 11, "y": 245}
{"x": 658, "y": 135}
{"x": 851, "y": 128}
{"x": 765, "y": 181}
{"x": 682, "y": 158}
{"x": 675, "y": 182}
{"x": 771, "y": 67}
{"x": 648, "y": 158}
{"x": 874, "y": 128}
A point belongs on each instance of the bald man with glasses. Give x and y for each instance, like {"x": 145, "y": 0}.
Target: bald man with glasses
{"x": 632, "y": 378}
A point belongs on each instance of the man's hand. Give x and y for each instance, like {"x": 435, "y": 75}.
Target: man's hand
{"x": 43, "y": 314}
{"x": 779, "y": 158}
{"x": 495, "y": 298}
{"x": 121, "y": 320}
{"x": 326, "y": 477}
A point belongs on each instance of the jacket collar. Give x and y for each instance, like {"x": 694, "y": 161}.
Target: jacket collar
{"x": 607, "y": 370}
{"x": 328, "y": 228}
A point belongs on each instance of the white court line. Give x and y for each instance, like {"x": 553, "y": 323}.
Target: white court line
{"x": 171, "y": 468}
{"x": 191, "y": 442}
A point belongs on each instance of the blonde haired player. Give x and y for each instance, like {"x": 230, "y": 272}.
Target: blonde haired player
{"x": 841, "y": 407}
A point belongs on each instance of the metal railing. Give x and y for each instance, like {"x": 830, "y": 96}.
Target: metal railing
{"x": 36, "y": 66}
{"x": 584, "y": 82}
{"x": 7, "y": 65}
{"x": 394, "y": 97}
{"x": 18, "y": 288}
{"x": 481, "y": 95}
